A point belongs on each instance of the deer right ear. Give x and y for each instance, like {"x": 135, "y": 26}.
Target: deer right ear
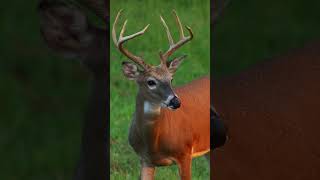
{"x": 175, "y": 63}
{"x": 130, "y": 70}
{"x": 64, "y": 27}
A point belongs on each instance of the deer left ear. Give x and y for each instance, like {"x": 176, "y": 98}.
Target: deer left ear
{"x": 175, "y": 63}
{"x": 130, "y": 70}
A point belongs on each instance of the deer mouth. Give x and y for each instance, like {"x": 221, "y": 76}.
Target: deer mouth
{"x": 170, "y": 106}
{"x": 164, "y": 105}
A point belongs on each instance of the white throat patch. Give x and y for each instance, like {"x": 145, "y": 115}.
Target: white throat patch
{"x": 149, "y": 108}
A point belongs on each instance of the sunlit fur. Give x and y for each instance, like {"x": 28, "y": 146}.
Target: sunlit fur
{"x": 174, "y": 136}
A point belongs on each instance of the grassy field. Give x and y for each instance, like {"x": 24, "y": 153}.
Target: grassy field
{"x": 124, "y": 162}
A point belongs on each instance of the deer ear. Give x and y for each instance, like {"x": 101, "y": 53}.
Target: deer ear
{"x": 130, "y": 70}
{"x": 64, "y": 27}
{"x": 175, "y": 63}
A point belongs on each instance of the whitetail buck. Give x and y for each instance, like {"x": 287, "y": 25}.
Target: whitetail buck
{"x": 67, "y": 31}
{"x": 169, "y": 124}
{"x": 272, "y": 112}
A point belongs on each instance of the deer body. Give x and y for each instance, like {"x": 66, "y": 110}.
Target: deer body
{"x": 273, "y": 117}
{"x": 162, "y": 136}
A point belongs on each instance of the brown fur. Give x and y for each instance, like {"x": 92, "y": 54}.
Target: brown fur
{"x": 169, "y": 137}
{"x": 273, "y": 116}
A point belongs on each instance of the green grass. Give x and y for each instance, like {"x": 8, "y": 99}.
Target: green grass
{"x": 124, "y": 162}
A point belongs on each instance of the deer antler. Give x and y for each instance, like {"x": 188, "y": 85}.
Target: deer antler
{"x": 119, "y": 43}
{"x": 174, "y": 46}
{"x": 99, "y": 7}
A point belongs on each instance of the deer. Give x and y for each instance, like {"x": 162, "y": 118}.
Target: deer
{"x": 67, "y": 31}
{"x": 169, "y": 125}
{"x": 272, "y": 114}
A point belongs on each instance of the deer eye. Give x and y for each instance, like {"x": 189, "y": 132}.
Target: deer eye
{"x": 151, "y": 83}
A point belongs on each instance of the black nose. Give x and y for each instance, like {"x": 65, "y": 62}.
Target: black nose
{"x": 174, "y": 103}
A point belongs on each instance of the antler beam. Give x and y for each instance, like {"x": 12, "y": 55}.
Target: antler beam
{"x": 174, "y": 46}
{"x": 122, "y": 39}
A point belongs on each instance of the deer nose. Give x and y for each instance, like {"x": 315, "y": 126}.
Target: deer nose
{"x": 174, "y": 103}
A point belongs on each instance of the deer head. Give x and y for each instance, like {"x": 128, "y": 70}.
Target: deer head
{"x": 155, "y": 82}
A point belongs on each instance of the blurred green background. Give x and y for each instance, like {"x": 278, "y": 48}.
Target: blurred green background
{"x": 253, "y": 31}
{"x": 125, "y": 163}
{"x": 43, "y": 96}
{"x": 42, "y": 100}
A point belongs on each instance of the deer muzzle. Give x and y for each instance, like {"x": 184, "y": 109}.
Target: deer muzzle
{"x": 174, "y": 103}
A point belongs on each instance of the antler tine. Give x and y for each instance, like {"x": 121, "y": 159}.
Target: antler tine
{"x": 122, "y": 39}
{"x": 167, "y": 30}
{"x": 114, "y": 35}
{"x": 179, "y": 24}
{"x": 174, "y": 46}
